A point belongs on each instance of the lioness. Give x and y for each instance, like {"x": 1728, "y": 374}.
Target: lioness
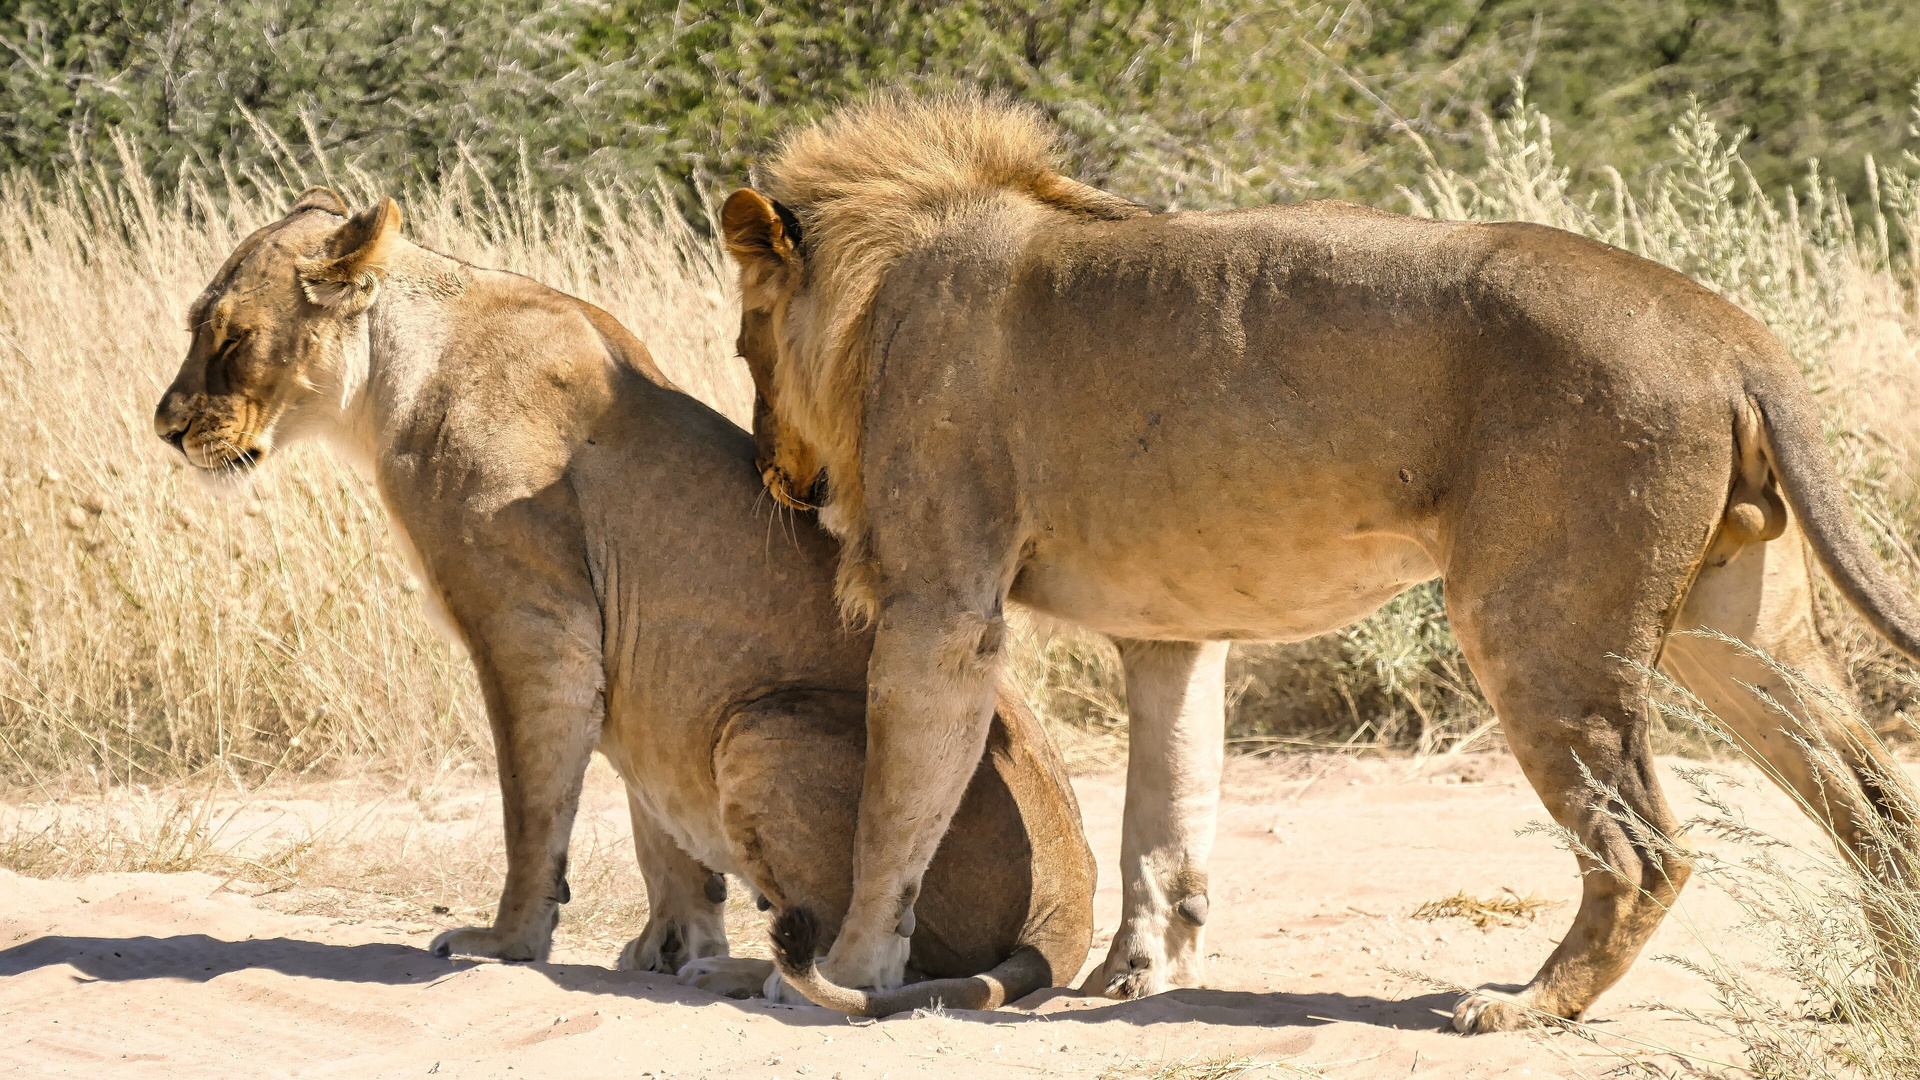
{"x": 1186, "y": 429}
{"x": 592, "y": 535}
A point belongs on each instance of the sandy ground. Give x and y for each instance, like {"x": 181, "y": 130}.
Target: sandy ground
{"x": 1319, "y": 867}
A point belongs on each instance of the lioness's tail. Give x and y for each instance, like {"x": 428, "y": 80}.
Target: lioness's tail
{"x": 1791, "y": 423}
{"x": 796, "y": 938}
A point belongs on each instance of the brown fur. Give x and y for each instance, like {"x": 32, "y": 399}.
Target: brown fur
{"x": 1194, "y": 428}
{"x": 600, "y": 543}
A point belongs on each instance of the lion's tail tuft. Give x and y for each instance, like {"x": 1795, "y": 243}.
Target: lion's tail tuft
{"x": 796, "y": 938}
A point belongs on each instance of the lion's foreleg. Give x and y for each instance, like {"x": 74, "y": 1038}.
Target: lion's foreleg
{"x": 546, "y": 712}
{"x": 930, "y": 698}
{"x": 686, "y": 903}
{"x": 1176, "y": 705}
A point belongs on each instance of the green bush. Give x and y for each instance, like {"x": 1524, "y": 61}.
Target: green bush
{"x": 1180, "y": 102}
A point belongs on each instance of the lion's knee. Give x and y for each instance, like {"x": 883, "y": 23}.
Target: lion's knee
{"x": 972, "y": 645}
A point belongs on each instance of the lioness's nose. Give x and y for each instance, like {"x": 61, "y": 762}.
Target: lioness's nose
{"x": 169, "y": 425}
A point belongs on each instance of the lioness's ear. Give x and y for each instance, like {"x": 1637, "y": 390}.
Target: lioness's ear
{"x": 347, "y": 276}
{"x": 319, "y": 198}
{"x": 761, "y": 234}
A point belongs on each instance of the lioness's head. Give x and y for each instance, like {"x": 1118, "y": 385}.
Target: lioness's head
{"x": 271, "y": 334}
{"x": 764, "y": 238}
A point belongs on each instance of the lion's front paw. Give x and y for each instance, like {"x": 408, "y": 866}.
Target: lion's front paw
{"x": 1125, "y": 978}
{"x": 1143, "y": 962}
{"x": 669, "y": 944}
{"x": 487, "y": 942}
{"x": 1487, "y": 1009}
{"x": 734, "y": 977}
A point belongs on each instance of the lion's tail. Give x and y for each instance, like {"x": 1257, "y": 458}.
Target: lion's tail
{"x": 796, "y": 940}
{"x": 1798, "y": 450}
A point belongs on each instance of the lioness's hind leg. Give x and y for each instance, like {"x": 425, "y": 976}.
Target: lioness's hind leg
{"x": 1176, "y": 719}
{"x": 789, "y": 771}
{"x": 686, "y": 903}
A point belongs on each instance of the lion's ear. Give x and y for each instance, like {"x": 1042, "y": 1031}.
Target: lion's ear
{"x": 762, "y": 235}
{"x": 319, "y": 198}
{"x": 347, "y": 276}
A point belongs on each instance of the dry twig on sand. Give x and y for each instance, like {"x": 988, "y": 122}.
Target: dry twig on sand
{"x": 1221, "y": 1068}
{"x": 1511, "y": 909}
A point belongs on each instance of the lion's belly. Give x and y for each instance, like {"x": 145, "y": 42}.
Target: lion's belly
{"x": 1261, "y": 588}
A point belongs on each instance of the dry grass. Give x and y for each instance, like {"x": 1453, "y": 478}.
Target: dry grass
{"x": 1512, "y": 909}
{"x": 149, "y": 631}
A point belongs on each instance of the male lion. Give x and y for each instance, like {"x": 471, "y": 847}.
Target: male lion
{"x": 1186, "y": 429}
{"x": 591, "y": 533}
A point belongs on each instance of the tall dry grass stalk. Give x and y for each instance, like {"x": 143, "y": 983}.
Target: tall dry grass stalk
{"x": 149, "y": 630}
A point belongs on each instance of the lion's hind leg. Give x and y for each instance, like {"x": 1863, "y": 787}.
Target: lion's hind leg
{"x": 1577, "y": 722}
{"x": 1803, "y": 732}
{"x": 1560, "y": 594}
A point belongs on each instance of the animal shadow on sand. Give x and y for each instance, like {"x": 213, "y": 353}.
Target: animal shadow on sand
{"x": 200, "y": 958}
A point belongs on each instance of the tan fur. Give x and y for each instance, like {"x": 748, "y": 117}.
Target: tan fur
{"x": 601, "y": 544}
{"x": 1262, "y": 425}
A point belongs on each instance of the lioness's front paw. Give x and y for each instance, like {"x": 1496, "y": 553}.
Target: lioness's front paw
{"x": 485, "y": 941}
{"x": 1486, "y": 1009}
{"x": 880, "y": 966}
{"x": 779, "y": 992}
{"x": 669, "y": 944}
{"x": 735, "y": 977}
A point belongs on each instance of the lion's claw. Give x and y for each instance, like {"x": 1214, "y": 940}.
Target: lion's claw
{"x": 1125, "y": 985}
